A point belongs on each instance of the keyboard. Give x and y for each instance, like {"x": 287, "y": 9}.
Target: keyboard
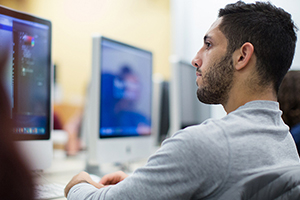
{"x": 49, "y": 191}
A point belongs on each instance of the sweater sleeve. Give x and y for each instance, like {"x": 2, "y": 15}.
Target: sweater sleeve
{"x": 181, "y": 169}
{"x": 85, "y": 191}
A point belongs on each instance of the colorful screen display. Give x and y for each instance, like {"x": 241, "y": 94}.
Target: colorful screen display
{"x": 126, "y": 90}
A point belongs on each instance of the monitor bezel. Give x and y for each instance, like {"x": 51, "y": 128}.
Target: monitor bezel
{"x": 31, "y": 18}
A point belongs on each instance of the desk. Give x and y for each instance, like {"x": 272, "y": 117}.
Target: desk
{"x": 63, "y": 168}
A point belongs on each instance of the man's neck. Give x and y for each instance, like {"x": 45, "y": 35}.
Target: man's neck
{"x": 238, "y": 97}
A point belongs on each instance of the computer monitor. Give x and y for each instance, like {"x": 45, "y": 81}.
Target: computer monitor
{"x": 26, "y": 43}
{"x": 185, "y": 108}
{"x": 161, "y": 108}
{"x": 118, "y": 112}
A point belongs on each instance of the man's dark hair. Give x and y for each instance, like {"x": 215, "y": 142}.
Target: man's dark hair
{"x": 269, "y": 29}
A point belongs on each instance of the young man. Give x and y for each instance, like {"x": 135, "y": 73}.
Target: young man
{"x": 246, "y": 54}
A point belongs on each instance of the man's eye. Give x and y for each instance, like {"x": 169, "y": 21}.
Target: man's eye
{"x": 208, "y": 44}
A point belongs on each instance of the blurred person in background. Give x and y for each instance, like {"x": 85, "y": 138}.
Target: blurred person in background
{"x": 289, "y": 100}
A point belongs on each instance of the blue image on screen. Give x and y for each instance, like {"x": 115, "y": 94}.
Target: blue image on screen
{"x": 125, "y": 98}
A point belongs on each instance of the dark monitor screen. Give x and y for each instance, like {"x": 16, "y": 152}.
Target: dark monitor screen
{"x": 126, "y": 90}
{"x": 26, "y": 43}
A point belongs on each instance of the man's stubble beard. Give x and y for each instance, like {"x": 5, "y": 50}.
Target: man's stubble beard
{"x": 217, "y": 82}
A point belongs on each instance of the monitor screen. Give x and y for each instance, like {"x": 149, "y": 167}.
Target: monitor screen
{"x": 125, "y": 91}
{"x": 26, "y": 42}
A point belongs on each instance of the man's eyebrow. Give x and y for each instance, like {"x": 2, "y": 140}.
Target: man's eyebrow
{"x": 206, "y": 37}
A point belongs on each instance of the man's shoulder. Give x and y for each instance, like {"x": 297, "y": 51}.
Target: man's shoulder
{"x": 211, "y": 129}
{"x": 213, "y": 124}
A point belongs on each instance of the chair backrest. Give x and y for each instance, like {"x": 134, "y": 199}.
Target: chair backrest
{"x": 279, "y": 184}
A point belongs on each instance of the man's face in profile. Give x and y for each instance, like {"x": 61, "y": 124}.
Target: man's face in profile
{"x": 214, "y": 67}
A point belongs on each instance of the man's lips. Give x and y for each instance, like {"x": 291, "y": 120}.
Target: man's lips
{"x": 198, "y": 72}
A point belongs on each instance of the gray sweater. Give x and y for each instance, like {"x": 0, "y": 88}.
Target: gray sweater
{"x": 204, "y": 161}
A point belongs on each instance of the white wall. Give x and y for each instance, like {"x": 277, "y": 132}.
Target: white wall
{"x": 191, "y": 19}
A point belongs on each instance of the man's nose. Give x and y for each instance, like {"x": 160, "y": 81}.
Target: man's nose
{"x": 197, "y": 62}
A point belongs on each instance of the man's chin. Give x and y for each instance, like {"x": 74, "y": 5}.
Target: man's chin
{"x": 207, "y": 98}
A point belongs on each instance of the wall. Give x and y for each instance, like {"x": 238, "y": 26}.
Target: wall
{"x": 21, "y": 5}
{"x": 144, "y": 23}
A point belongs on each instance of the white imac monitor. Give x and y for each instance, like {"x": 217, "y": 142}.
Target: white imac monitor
{"x": 119, "y": 104}
{"x": 26, "y": 43}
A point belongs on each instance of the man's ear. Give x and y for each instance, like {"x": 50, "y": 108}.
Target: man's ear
{"x": 243, "y": 55}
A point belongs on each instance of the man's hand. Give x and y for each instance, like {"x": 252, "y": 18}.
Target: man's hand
{"x": 113, "y": 178}
{"x": 82, "y": 177}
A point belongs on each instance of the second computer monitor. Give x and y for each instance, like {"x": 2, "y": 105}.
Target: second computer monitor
{"x": 119, "y": 105}
{"x": 185, "y": 108}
